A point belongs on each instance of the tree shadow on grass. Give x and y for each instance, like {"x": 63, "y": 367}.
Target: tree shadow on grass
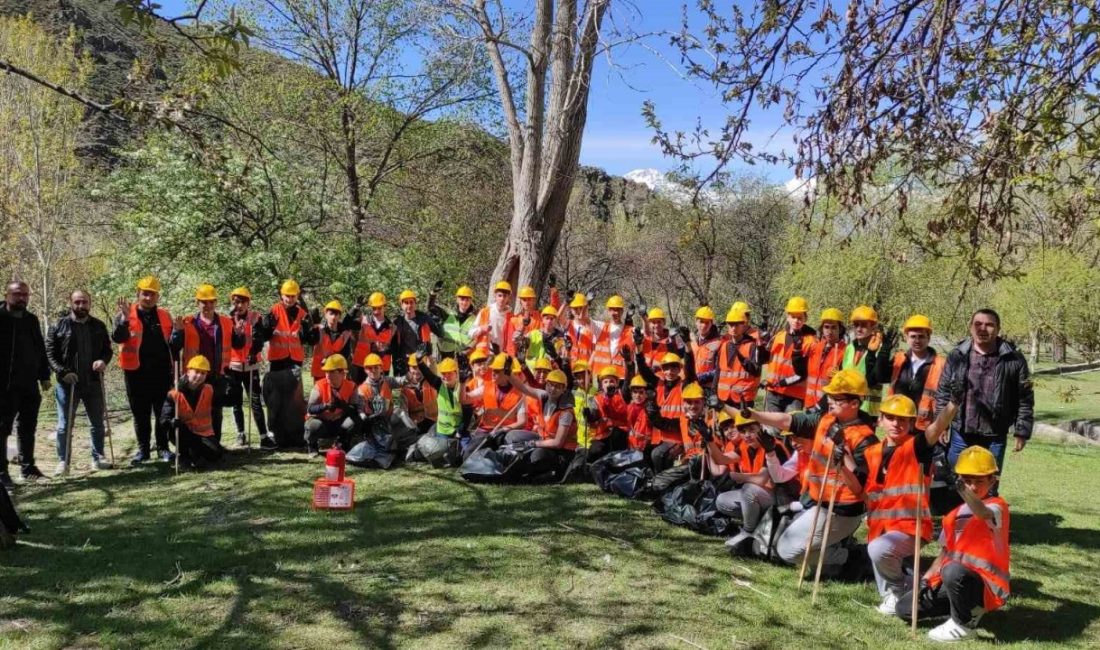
{"x": 1063, "y": 621}
{"x": 1046, "y": 528}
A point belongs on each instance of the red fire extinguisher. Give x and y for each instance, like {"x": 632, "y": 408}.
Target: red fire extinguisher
{"x": 334, "y": 463}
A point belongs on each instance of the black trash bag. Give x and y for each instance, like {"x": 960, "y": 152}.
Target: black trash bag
{"x": 624, "y": 473}
{"x": 10, "y": 522}
{"x": 483, "y": 466}
{"x": 286, "y": 407}
{"x": 691, "y": 505}
{"x": 371, "y": 453}
{"x": 632, "y": 483}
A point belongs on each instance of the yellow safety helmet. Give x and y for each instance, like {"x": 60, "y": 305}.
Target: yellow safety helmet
{"x": 464, "y": 292}
{"x": 797, "y": 305}
{"x": 290, "y": 288}
{"x": 334, "y": 305}
{"x": 243, "y": 292}
{"x": 615, "y": 302}
{"x": 503, "y": 285}
{"x": 671, "y": 359}
{"x": 833, "y": 314}
{"x": 527, "y": 292}
{"x": 742, "y": 305}
{"x": 656, "y": 314}
{"x": 899, "y": 405}
{"x": 334, "y": 362}
{"x": 692, "y": 391}
{"x": 580, "y": 365}
{"x": 447, "y": 365}
{"x": 736, "y": 315}
{"x": 740, "y": 421}
{"x": 976, "y": 461}
{"x": 372, "y": 360}
{"x": 206, "y": 292}
{"x": 847, "y": 382}
{"x": 704, "y": 313}
{"x": 149, "y": 283}
{"x": 917, "y": 322}
{"x": 549, "y": 310}
{"x": 637, "y": 381}
{"x": 413, "y": 362}
{"x": 608, "y": 371}
{"x": 197, "y": 362}
{"x": 578, "y": 301}
{"x": 863, "y": 313}
{"x": 723, "y": 418}
{"x": 478, "y": 355}
{"x": 376, "y": 300}
{"x": 557, "y": 377}
{"x": 500, "y": 360}
{"x": 407, "y": 294}
{"x": 543, "y": 363}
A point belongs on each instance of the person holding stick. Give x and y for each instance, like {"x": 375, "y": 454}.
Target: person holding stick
{"x": 836, "y": 471}
{"x": 188, "y": 410}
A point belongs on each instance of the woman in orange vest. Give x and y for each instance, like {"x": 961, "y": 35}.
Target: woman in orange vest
{"x": 188, "y": 410}
{"x": 334, "y": 406}
{"x": 334, "y": 336}
{"x": 786, "y": 360}
{"x": 825, "y": 357}
{"x": 971, "y": 575}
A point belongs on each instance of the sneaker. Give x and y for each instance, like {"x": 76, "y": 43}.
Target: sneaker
{"x": 313, "y": 451}
{"x": 5, "y": 480}
{"x": 949, "y": 632}
{"x": 100, "y": 464}
{"x": 241, "y": 440}
{"x": 62, "y": 468}
{"x": 140, "y": 457}
{"x": 889, "y": 604}
{"x": 268, "y": 442}
{"x": 166, "y": 455}
{"x": 32, "y": 473}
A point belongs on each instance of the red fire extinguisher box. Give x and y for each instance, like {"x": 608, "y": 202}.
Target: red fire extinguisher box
{"x": 333, "y": 495}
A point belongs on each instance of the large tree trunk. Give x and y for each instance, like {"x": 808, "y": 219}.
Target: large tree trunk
{"x": 1033, "y": 348}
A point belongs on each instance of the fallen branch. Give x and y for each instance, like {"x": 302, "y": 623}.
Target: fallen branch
{"x": 609, "y": 538}
{"x": 177, "y": 579}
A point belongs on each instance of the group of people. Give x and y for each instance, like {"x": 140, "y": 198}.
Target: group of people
{"x": 452, "y": 383}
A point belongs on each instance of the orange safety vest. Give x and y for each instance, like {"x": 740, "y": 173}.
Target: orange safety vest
{"x": 473, "y": 384}
{"x": 981, "y": 550}
{"x": 367, "y": 391}
{"x": 238, "y": 357}
{"x": 672, "y": 407}
{"x": 601, "y": 350}
{"x": 733, "y": 379}
{"x": 780, "y": 365}
{"x": 191, "y": 342}
{"x": 821, "y": 363}
{"x": 705, "y": 354}
{"x": 820, "y": 489}
{"x": 892, "y": 504}
{"x": 327, "y": 346}
{"x": 367, "y": 336}
{"x": 128, "y": 352}
{"x": 547, "y": 428}
{"x": 422, "y": 407}
{"x": 485, "y": 338}
{"x": 612, "y": 414}
{"x": 927, "y": 407}
{"x": 198, "y": 419}
{"x": 751, "y": 460}
{"x": 496, "y": 407}
{"x": 515, "y": 324}
{"x": 583, "y": 344}
{"x": 284, "y": 341}
{"x": 652, "y": 350}
{"x": 345, "y": 392}
{"x": 640, "y": 434}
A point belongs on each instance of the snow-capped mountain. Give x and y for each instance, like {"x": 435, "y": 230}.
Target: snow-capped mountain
{"x": 659, "y": 183}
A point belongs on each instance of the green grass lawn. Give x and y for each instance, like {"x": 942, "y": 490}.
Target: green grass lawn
{"x": 235, "y": 558}
{"x": 1051, "y": 392}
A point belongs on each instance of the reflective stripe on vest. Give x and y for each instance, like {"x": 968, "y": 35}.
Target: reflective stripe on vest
{"x": 130, "y": 349}
{"x": 980, "y": 549}
{"x": 496, "y": 407}
{"x": 602, "y": 356}
{"x": 191, "y": 341}
{"x": 706, "y": 355}
{"x": 927, "y": 406}
{"x": 198, "y": 420}
{"x": 781, "y": 366}
{"x": 324, "y": 388}
{"x": 892, "y": 504}
{"x": 581, "y": 336}
{"x": 824, "y": 360}
{"x": 672, "y": 407}
{"x": 238, "y": 358}
{"x": 448, "y": 411}
{"x": 857, "y": 360}
{"x": 821, "y": 490}
{"x": 326, "y": 346}
{"x": 367, "y": 336}
{"x": 733, "y": 379}
{"x": 653, "y": 350}
{"x": 284, "y": 341}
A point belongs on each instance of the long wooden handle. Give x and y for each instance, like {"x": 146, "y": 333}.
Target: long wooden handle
{"x": 813, "y": 526}
{"x": 824, "y": 541}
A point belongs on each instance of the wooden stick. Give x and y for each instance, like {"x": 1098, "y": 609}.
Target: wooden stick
{"x": 824, "y": 541}
{"x": 813, "y": 525}
{"x": 497, "y": 427}
{"x": 916, "y": 557}
{"x": 69, "y": 429}
{"x": 176, "y": 415}
{"x": 107, "y": 418}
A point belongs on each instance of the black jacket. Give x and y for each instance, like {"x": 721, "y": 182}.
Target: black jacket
{"x": 7, "y": 346}
{"x": 1013, "y": 398}
{"x": 61, "y": 352}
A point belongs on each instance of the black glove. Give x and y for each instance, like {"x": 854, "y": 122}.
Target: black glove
{"x": 360, "y": 302}
{"x": 464, "y": 374}
{"x": 796, "y": 346}
{"x": 767, "y": 441}
{"x": 960, "y": 484}
{"x": 315, "y": 314}
{"x": 745, "y": 412}
{"x": 639, "y": 337}
{"x": 339, "y": 404}
{"x": 889, "y": 337}
{"x": 838, "y": 454}
{"x": 437, "y": 287}
{"x": 702, "y": 430}
{"x": 956, "y": 389}
{"x": 652, "y": 411}
{"x": 712, "y": 401}
{"x": 421, "y": 351}
{"x": 684, "y": 334}
{"x": 508, "y": 365}
{"x": 590, "y": 415}
{"x": 526, "y": 323}
{"x": 553, "y": 281}
{"x": 494, "y": 348}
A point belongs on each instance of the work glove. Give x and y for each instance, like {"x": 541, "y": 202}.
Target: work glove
{"x": 639, "y": 337}
{"x": 745, "y": 412}
{"x": 421, "y": 351}
{"x": 437, "y": 287}
{"x": 889, "y": 339}
{"x": 701, "y": 430}
{"x": 589, "y": 297}
{"x": 590, "y": 415}
{"x": 767, "y": 442}
{"x": 712, "y": 401}
{"x": 838, "y": 454}
{"x": 494, "y": 348}
{"x": 315, "y": 314}
{"x": 796, "y": 346}
{"x": 464, "y": 374}
{"x": 652, "y": 411}
{"x": 684, "y": 334}
{"x": 360, "y": 302}
{"x": 526, "y": 322}
{"x": 568, "y": 344}
{"x": 377, "y": 404}
{"x": 960, "y": 485}
{"x": 508, "y": 365}
{"x": 553, "y": 281}
{"x": 956, "y": 389}
{"x": 69, "y": 378}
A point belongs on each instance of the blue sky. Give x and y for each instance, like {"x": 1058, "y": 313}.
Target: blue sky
{"x": 616, "y": 137}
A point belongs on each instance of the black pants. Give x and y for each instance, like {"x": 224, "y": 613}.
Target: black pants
{"x": 616, "y": 441}
{"x": 147, "y": 392}
{"x": 544, "y": 460}
{"x": 219, "y": 384}
{"x": 240, "y": 382}
{"x": 341, "y": 430}
{"x": 961, "y": 594}
{"x": 198, "y": 451}
{"x": 663, "y": 455}
{"x": 22, "y": 404}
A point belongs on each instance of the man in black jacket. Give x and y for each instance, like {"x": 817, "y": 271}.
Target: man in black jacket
{"x": 78, "y": 349}
{"x": 24, "y": 373}
{"x": 989, "y": 380}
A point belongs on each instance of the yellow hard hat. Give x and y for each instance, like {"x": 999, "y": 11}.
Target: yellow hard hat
{"x": 543, "y": 363}
{"x": 736, "y": 315}
{"x": 704, "y": 313}
{"x": 503, "y": 285}
{"x": 847, "y": 382}
{"x": 976, "y": 461}
{"x": 242, "y": 292}
{"x": 372, "y": 360}
{"x": 206, "y": 292}
{"x": 899, "y": 405}
{"x": 334, "y": 305}
{"x": 580, "y": 365}
{"x": 413, "y": 361}
{"x": 549, "y": 310}
{"x": 742, "y": 305}
{"x": 615, "y": 302}
{"x": 797, "y": 305}
{"x": 407, "y": 294}
{"x": 478, "y": 355}
{"x": 656, "y": 314}
{"x": 578, "y": 301}
{"x": 671, "y": 359}
{"x": 149, "y": 283}
{"x": 500, "y": 360}
{"x": 740, "y": 421}
{"x": 527, "y": 292}
{"x": 637, "y": 381}
{"x": 723, "y": 418}
{"x": 290, "y": 288}
{"x": 833, "y": 314}
{"x": 447, "y": 365}
{"x": 863, "y": 313}
{"x": 377, "y": 299}
{"x": 692, "y": 391}
{"x": 464, "y": 292}
{"x": 917, "y": 322}
{"x": 334, "y": 362}
{"x": 557, "y": 377}
{"x": 197, "y": 362}
{"x": 608, "y": 371}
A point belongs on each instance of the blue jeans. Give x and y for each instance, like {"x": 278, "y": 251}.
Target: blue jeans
{"x": 91, "y": 394}
{"x": 960, "y": 441}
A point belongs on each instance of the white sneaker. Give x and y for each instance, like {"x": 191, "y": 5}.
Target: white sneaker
{"x": 889, "y": 604}
{"x": 62, "y": 468}
{"x": 949, "y": 632}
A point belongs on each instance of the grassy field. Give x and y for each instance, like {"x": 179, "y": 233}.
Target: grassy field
{"x": 1051, "y": 392}
{"x": 236, "y": 559}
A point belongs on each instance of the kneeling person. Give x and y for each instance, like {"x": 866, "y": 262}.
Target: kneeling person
{"x": 440, "y": 443}
{"x": 555, "y": 424}
{"x": 189, "y": 410}
{"x": 333, "y": 407}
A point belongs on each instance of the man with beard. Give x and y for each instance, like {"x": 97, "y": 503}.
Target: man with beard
{"x": 24, "y": 373}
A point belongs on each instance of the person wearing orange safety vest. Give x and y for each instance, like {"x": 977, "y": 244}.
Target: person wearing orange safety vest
{"x": 699, "y": 445}
{"x": 188, "y": 409}
{"x": 375, "y": 336}
{"x": 492, "y": 331}
{"x": 754, "y": 494}
{"x": 737, "y": 375}
{"x": 825, "y": 357}
{"x": 916, "y": 372}
{"x": 652, "y": 341}
{"x": 970, "y": 577}
{"x": 579, "y": 337}
{"x": 610, "y": 337}
{"x": 607, "y": 424}
{"x": 665, "y": 409}
{"x": 640, "y": 435}
{"x": 335, "y": 335}
{"x": 243, "y": 373}
{"x": 502, "y": 405}
{"x": 419, "y": 396}
{"x": 414, "y": 330}
{"x": 786, "y": 352}
{"x": 474, "y": 381}
{"x": 844, "y": 433}
{"x": 376, "y": 391}
{"x": 554, "y": 435}
{"x": 868, "y": 351}
{"x": 897, "y": 475}
{"x": 142, "y": 331}
{"x": 705, "y": 346}
{"x": 213, "y": 336}
{"x": 526, "y": 320}
{"x": 288, "y": 329}
{"x": 334, "y": 406}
